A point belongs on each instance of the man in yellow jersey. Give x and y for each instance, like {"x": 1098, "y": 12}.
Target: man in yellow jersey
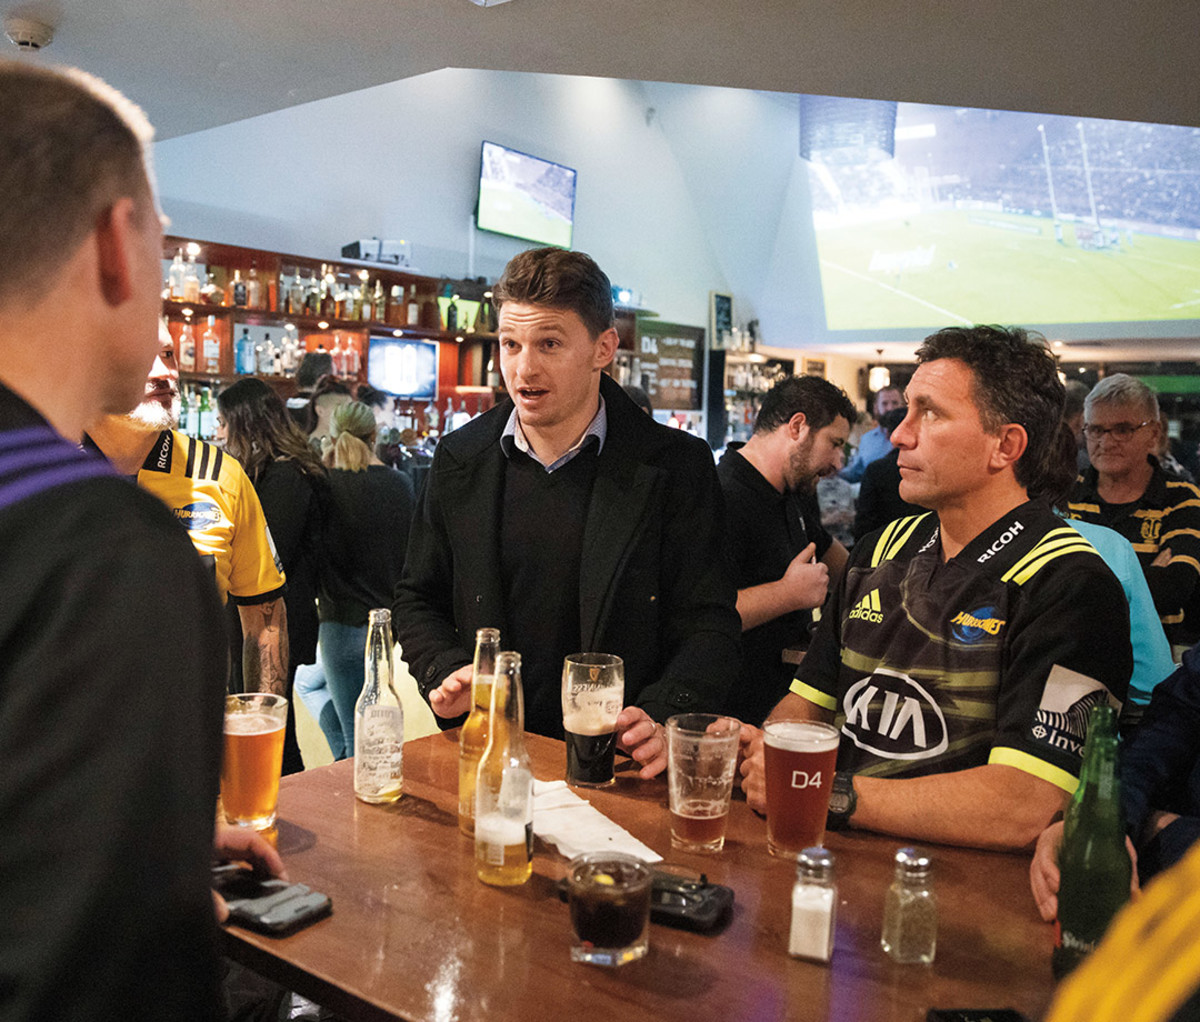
{"x": 962, "y": 649}
{"x": 211, "y": 496}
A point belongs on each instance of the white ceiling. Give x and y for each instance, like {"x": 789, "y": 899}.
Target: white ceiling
{"x": 198, "y": 63}
{"x": 195, "y": 64}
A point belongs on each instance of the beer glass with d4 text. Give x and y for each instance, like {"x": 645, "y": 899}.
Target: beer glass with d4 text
{"x": 800, "y": 757}
{"x": 593, "y": 692}
{"x": 253, "y": 757}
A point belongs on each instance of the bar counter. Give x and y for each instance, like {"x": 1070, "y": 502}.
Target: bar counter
{"x": 415, "y": 936}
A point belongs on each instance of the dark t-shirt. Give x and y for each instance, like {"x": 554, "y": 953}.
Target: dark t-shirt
{"x": 112, "y": 669}
{"x": 765, "y": 530}
{"x": 365, "y": 530}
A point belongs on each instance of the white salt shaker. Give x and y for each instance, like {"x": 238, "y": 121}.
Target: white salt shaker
{"x": 814, "y": 906}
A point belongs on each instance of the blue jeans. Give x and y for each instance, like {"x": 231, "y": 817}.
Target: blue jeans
{"x": 313, "y": 692}
{"x": 341, "y": 654}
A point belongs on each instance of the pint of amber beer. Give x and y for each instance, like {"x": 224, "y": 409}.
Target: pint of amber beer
{"x": 250, "y": 768}
{"x": 800, "y": 757}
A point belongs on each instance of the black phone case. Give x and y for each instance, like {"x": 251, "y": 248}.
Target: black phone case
{"x": 270, "y": 906}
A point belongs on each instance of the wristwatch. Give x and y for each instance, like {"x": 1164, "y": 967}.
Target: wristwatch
{"x": 842, "y": 801}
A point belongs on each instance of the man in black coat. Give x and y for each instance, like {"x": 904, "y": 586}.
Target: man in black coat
{"x": 573, "y": 522}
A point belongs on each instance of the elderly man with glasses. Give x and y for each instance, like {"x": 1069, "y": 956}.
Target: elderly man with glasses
{"x": 1127, "y": 490}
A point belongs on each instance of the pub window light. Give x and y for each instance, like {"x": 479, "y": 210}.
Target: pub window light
{"x": 879, "y": 377}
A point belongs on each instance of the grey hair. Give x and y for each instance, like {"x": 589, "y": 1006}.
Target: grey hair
{"x": 1122, "y": 389}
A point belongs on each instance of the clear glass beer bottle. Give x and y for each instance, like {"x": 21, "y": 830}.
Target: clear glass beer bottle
{"x": 474, "y": 735}
{"x": 504, "y": 785}
{"x": 1093, "y": 862}
{"x": 378, "y": 719}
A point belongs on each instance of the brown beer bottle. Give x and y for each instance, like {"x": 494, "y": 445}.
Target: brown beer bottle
{"x": 474, "y": 735}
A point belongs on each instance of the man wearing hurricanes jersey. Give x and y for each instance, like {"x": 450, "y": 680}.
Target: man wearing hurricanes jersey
{"x": 963, "y": 649}
{"x": 210, "y": 495}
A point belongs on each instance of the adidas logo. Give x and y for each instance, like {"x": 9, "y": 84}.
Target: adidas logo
{"x": 868, "y": 608}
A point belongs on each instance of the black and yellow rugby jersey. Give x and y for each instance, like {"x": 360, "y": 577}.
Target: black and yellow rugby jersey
{"x": 210, "y": 494}
{"x": 1167, "y": 516}
{"x": 995, "y": 656}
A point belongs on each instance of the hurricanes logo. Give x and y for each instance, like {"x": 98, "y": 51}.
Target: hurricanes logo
{"x": 1151, "y": 527}
{"x": 971, "y": 626}
{"x": 198, "y": 515}
{"x": 868, "y": 608}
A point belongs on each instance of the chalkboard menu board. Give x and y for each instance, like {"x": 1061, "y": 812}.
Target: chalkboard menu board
{"x": 670, "y": 364}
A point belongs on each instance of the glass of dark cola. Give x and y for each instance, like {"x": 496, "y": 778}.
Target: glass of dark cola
{"x": 609, "y": 898}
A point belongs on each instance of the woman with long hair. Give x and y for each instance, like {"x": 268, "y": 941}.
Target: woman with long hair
{"x": 365, "y": 535}
{"x": 255, "y": 428}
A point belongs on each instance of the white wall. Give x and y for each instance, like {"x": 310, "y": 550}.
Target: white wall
{"x": 681, "y": 189}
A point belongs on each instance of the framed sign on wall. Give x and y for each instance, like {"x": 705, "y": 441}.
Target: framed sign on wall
{"x": 720, "y": 319}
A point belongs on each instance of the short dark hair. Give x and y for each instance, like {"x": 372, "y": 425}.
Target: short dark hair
{"x": 559, "y": 279}
{"x": 819, "y": 400}
{"x": 1014, "y": 378}
{"x": 70, "y": 146}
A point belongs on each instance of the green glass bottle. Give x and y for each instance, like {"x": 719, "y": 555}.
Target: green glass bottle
{"x": 1093, "y": 862}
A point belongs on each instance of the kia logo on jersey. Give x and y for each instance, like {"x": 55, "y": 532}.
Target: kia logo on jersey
{"x": 893, "y": 716}
{"x": 198, "y": 515}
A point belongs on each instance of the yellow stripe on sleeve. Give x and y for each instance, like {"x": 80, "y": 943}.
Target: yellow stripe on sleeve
{"x": 1005, "y": 756}
{"x": 826, "y": 702}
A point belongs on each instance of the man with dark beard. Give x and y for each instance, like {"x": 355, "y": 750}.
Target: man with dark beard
{"x": 210, "y": 495}
{"x": 778, "y": 555}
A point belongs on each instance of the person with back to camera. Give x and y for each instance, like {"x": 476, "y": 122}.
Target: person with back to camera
{"x": 963, "y": 648}
{"x": 253, "y": 425}
{"x": 569, "y": 519}
{"x": 328, "y": 395}
{"x": 364, "y": 536}
{"x": 112, "y": 651}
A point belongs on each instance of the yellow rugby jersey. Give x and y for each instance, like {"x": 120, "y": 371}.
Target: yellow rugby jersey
{"x": 213, "y": 498}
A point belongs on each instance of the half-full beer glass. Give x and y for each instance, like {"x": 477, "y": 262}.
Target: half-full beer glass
{"x": 702, "y": 752}
{"x": 253, "y": 759}
{"x": 593, "y": 692}
{"x": 800, "y": 757}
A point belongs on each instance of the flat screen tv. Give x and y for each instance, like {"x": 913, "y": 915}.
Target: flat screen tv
{"x": 525, "y": 197}
{"x": 403, "y": 366}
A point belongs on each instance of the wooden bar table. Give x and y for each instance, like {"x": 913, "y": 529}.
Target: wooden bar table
{"x": 415, "y": 936}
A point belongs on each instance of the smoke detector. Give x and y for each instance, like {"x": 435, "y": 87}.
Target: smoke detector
{"x": 26, "y": 33}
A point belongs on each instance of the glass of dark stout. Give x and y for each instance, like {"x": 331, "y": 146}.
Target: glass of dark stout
{"x": 593, "y": 692}
{"x": 609, "y": 898}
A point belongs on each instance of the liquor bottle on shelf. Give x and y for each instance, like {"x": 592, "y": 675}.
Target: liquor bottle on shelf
{"x": 295, "y": 305}
{"x": 237, "y": 291}
{"x": 432, "y": 418}
{"x": 183, "y": 411}
{"x": 175, "y": 277}
{"x": 350, "y": 357}
{"x": 364, "y": 300}
{"x": 504, "y": 785}
{"x": 253, "y": 287}
{"x": 413, "y": 309}
{"x": 378, "y": 719}
{"x": 452, "y": 313}
{"x": 312, "y": 292}
{"x": 212, "y": 293}
{"x": 474, "y": 735}
{"x": 483, "y": 318}
{"x": 493, "y": 369}
{"x": 291, "y": 354}
{"x": 212, "y": 348}
{"x": 337, "y": 356}
{"x": 395, "y": 307}
{"x": 262, "y": 356}
{"x": 243, "y": 353}
{"x": 448, "y": 415}
{"x": 187, "y": 349}
{"x": 379, "y": 305}
{"x": 191, "y": 280}
{"x": 204, "y": 416}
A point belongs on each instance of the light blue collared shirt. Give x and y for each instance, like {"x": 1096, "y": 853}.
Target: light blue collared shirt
{"x": 514, "y": 437}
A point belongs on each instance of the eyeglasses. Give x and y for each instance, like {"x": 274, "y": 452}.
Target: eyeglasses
{"x": 1122, "y": 431}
